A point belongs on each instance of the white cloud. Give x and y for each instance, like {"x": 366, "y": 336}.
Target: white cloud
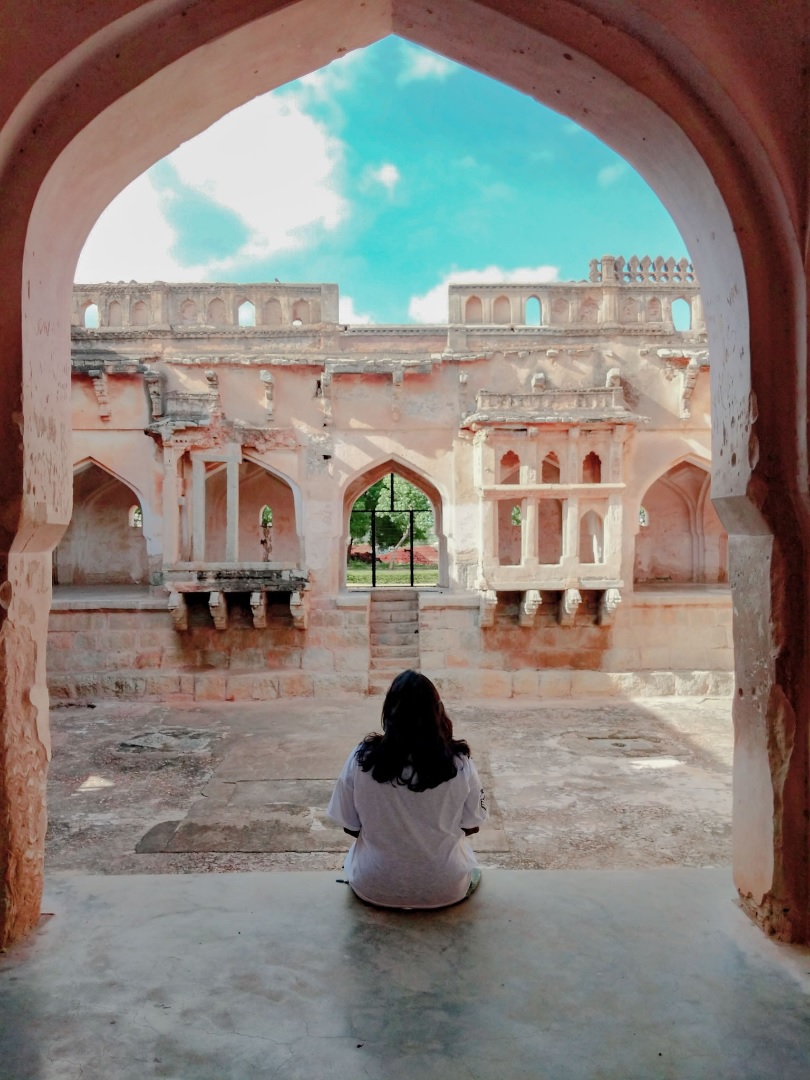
{"x": 387, "y": 174}
{"x": 611, "y": 173}
{"x": 268, "y": 161}
{"x": 431, "y": 307}
{"x": 348, "y": 314}
{"x": 419, "y": 64}
{"x": 133, "y": 239}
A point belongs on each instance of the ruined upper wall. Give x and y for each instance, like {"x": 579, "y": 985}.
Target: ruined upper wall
{"x": 157, "y": 305}
{"x": 629, "y": 295}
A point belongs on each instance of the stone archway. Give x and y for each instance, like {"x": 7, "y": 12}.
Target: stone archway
{"x": 363, "y": 481}
{"x": 696, "y": 110}
{"x": 104, "y": 543}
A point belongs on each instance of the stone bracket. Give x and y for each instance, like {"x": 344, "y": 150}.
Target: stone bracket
{"x": 299, "y": 609}
{"x": 486, "y": 610}
{"x": 529, "y": 605}
{"x": 608, "y": 602}
{"x": 218, "y": 606}
{"x": 101, "y": 389}
{"x": 258, "y": 607}
{"x": 269, "y": 393}
{"x": 155, "y": 391}
{"x": 569, "y": 602}
{"x": 178, "y": 609}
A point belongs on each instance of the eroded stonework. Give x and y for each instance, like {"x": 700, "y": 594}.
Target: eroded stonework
{"x": 560, "y": 431}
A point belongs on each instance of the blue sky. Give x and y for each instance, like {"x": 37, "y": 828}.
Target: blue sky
{"x": 390, "y": 172}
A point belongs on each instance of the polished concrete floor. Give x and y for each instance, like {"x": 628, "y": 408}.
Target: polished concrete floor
{"x": 633, "y": 975}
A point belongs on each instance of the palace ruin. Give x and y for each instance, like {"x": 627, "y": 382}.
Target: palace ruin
{"x": 560, "y": 431}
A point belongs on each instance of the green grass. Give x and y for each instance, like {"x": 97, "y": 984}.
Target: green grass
{"x": 400, "y": 575}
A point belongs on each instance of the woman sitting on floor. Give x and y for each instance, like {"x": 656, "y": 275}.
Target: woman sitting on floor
{"x": 410, "y": 796}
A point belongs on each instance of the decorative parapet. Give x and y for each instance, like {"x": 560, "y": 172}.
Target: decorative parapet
{"x": 588, "y": 405}
{"x": 612, "y": 269}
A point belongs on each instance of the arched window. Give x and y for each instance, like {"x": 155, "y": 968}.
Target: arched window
{"x": 272, "y": 312}
{"x": 533, "y": 312}
{"x": 591, "y": 546}
{"x": 115, "y": 314}
{"x": 592, "y": 469}
{"x": 502, "y": 310}
{"x": 90, "y": 316}
{"x": 300, "y": 312}
{"x": 135, "y": 517}
{"x": 188, "y": 312}
{"x": 247, "y": 314}
{"x": 509, "y": 472}
{"x": 139, "y": 315}
{"x": 550, "y": 471}
{"x": 473, "y": 310}
{"x": 681, "y": 314}
{"x": 643, "y": 517}
{"x": 216, "y": 312}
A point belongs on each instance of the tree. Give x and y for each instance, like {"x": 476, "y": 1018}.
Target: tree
{"x": 392, "y": 527}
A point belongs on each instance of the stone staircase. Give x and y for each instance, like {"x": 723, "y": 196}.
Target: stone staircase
{"x": 394, "y": 634}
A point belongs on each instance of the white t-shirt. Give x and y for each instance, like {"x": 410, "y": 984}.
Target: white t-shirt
{"x": 411, "y": 851}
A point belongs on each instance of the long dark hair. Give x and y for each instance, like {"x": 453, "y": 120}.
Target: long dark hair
{"x": 416, "y": 749}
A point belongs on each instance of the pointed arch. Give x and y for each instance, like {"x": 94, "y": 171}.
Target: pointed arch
{"x": 363, "y": 480}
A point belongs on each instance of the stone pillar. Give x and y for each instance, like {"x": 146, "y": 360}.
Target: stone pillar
{"x": 528, "y": 534}
{"x": 171, "y": 505}
{"x": 197, "y": 509}
{"x": 572, "y": 468}
{"x": 232, "y": 512}
{"x": 570, "y": 539}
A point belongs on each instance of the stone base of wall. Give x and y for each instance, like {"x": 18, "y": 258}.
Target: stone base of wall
{"x": 119, "y": 645}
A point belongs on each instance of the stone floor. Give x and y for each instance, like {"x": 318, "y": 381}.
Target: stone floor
{"x": 561, "y": 975}
{"x": 163, "y": 788}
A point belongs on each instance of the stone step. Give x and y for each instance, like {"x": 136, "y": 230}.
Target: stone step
{"x": 394, "y": 663}
{"x": 400, "y": 649}
{"x": 406, "y": 637}
{"x": 393, "y": 605}
{"x": 384, "y": 595}
{"x": 385, "y": 618}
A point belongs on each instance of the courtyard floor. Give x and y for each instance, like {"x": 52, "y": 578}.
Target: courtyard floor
{"x": 573, "y": 784}
{"x": 142, "y": 968}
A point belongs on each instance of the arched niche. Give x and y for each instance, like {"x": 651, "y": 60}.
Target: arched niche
{"x": 300, "y": 312}
{"x": 139, "y": 314}
{"x": 104, "y": 543}
{"x": 272, "y": 312}
{"x": 683, "y": 541}
{"x": 364, "y": 480}
{"x": 588, "y": 311}
{"x": 473, "y": 310}
{"x": 258, "y": 487}
{"x": 115, "y": 314}
{"x": 188, "y": 312}
{"x": 560, "y": 312}
{"x": 502, "y": 310}
{"x": 217, "y": 312}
